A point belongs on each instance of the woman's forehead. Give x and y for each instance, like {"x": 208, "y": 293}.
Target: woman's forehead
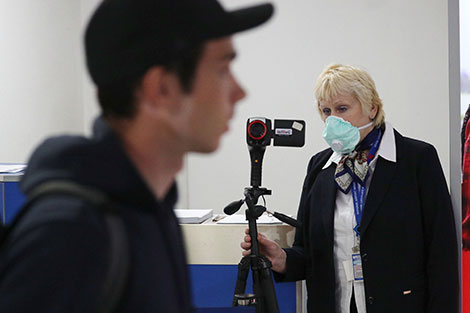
{"x": 338, "y": 98}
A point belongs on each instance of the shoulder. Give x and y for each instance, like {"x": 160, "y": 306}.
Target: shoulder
{"x": 318, "y": 160}
{"x": 417, "y": 155}
{"x": 315, "y": 166}
{"x": 61, "y": 209}
{"x": 70, "y": 224}
{"x": 62, "y": 247}
{"x": 413, "y": 147}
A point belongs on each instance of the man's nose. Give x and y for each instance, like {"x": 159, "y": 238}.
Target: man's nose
{"x": 238, "y": 92}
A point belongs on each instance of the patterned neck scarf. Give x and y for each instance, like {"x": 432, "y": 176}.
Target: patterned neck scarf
{"x": 354, "y": 167}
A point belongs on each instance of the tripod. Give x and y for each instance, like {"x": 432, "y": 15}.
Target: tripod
{"x": 264, "y": 295}
{"x": 259, "y": 135}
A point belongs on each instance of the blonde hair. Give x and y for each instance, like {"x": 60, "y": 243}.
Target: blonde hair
{"x": 337, "y": 79}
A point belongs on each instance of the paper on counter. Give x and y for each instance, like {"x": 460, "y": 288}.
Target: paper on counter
{"x": 12, "y": 168}
{"x": 192, "y": 216}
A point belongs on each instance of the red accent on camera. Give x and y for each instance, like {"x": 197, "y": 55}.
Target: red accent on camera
{"x": 260, "y": 137}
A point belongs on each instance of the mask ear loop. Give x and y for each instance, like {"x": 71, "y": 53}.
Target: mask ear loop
{"x": 365, "y": 126}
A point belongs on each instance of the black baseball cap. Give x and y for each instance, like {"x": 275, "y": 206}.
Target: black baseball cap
{"x": 124, "y": 38}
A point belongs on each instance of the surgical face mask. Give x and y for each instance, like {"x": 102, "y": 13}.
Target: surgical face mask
{"x": 340, "y": 135}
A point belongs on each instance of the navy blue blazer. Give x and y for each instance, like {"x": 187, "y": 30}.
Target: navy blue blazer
{"x": 408, "y": 235}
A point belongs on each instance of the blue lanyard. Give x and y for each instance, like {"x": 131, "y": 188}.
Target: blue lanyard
{"x": 359, "y": 191}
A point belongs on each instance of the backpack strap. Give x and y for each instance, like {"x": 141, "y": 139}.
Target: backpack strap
{"x": 116, "y": 277}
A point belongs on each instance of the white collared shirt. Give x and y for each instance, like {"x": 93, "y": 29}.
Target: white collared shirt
{"x": 344, "y": 236}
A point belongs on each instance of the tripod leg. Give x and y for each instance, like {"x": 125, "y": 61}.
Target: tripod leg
{"x": 257, "y": 287}
{"x": 265, "y": 286}
{"x": 243, "y": 269}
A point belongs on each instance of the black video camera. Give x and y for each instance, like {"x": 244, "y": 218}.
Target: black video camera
{"x": 286, "y": 133}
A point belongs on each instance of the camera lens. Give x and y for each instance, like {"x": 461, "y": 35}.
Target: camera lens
{"x": 257, "y": 130}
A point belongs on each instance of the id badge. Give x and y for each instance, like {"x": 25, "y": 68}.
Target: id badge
{"x": 357, "y": 266}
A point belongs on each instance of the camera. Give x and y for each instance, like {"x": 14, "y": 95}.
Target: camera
{"x": 286, "y": 133}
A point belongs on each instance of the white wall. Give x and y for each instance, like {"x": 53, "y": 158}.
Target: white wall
{"x": 465, "y": 54}
{"x": 90, "y": 103}
{"x": 403, "y": 44}
{"x": 39, "y": 73}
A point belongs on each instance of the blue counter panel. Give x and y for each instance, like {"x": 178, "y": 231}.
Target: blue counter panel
{"x": 2, "y": 203}
{"x": 237, "y": 309}
{"x": 14, "y": 199}
{"x": 214, "y": 285}
{"x": 11, "y": 200}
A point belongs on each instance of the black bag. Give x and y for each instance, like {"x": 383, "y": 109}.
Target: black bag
{"x": 116, "y": 278}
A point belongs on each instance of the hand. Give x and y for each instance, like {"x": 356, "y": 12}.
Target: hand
{"x": 269, "y": 249}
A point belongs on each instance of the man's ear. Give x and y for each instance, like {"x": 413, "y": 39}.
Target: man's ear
{"x": 159, "y": 89}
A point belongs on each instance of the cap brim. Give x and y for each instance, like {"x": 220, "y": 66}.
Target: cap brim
{"x": 238, "y": 20}
{"x": 251, "y": 17}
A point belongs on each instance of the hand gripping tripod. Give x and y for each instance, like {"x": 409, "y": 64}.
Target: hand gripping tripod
{"x": 264, "y": 295}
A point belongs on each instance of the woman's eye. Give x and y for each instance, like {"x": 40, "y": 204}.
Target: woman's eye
{"x": 326, "y": 111}
{"x": 342, "y": 109}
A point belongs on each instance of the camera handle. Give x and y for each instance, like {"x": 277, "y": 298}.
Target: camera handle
{"x": 256, "y": 156}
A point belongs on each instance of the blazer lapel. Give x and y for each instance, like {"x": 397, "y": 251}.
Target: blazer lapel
{"x": 328, "y": 199}
{"x": 381, "y": 180}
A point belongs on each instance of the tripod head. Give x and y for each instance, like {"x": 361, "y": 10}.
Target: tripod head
{"x": 252, "y": 195}
{"x": 253, "y": 212}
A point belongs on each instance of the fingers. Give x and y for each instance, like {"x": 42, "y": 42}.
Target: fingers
{"x": 247, "y": 232}
{"x": 246, "y": 252}
{"x": 245, "y": 245}
{"x": 261, "y": 237}
{"x": 247, "y": 238}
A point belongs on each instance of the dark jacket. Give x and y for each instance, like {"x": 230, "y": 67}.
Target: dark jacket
{"x": 57, "y": 259}
{"x": 408, "y": 236}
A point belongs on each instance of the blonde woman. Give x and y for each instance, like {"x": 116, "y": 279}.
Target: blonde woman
{"x": 378, "y": 231}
